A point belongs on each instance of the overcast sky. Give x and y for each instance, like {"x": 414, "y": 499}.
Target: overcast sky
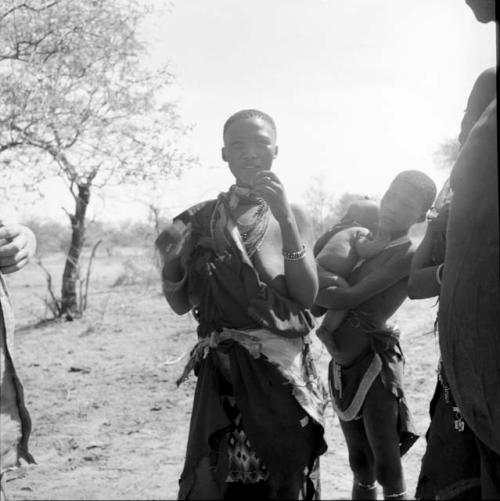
{"x": 359, "y": 89}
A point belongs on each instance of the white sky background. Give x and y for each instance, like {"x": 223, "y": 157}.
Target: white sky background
{"x": 359, "y": 89}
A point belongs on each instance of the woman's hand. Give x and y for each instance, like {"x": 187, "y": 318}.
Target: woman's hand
{"x": 268, "y": 186}
{"x": 17, "y": 247}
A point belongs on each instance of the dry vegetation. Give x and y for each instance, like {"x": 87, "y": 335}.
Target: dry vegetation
{"x": 108, "y": 420}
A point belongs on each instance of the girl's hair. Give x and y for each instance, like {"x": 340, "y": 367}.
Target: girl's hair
{"x": 422, "y": 182}
{"x": 245, "y": 114}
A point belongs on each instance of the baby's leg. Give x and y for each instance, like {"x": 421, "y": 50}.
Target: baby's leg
{"x": 325, "y": 277}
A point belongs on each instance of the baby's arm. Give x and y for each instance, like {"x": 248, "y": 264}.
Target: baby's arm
{"x": 367, "y": 247}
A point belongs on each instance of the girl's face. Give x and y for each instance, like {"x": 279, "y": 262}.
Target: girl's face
{"x": 400, "y": 207}
{"x": 249, "y": 147}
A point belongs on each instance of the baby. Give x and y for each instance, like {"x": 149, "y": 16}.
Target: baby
{"x": 351, "y": 243}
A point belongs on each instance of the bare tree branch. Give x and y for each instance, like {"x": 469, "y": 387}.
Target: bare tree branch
{"x": 24, "y": 5}
{"x": 54, "y": 304}
{"x": 79, "y": 99}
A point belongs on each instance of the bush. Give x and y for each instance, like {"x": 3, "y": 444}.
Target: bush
{"x": 51, "y": 236}
{"x": 55, "y": 237}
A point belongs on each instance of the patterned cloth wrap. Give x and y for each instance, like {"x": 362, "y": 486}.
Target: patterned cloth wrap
{"x": 257, "y": 386}
{"x": 291, "y": 357}
{"x": 15, "y": 423}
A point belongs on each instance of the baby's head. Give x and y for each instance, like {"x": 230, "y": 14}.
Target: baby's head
{"x": 364, "y": 212}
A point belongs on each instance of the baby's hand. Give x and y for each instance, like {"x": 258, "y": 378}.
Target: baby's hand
{"x": 367, "y": 247}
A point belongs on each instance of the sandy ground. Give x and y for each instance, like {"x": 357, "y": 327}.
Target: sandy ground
{"x": 108, "y": 419}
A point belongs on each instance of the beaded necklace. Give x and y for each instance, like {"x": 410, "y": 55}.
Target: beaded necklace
{"x": 251, "y": 234}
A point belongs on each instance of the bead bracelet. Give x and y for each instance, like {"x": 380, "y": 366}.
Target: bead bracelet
{"x": 294, "y": 255}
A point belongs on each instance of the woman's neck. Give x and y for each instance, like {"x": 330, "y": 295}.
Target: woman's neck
{"x": 390, "y": 236}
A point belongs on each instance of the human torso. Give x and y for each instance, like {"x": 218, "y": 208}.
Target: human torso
{"x": 350, "y": 338}
{"x": 11, "y": 428}
{"x": 229, "y": 287}
{"x": 7, "y": 316}
{"x": 383, "y": 305}
{"x": 469, "y": 317}
{"x": 268, "y": 259}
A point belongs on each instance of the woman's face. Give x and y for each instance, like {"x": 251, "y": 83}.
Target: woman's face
{"x": 249, "y": 147}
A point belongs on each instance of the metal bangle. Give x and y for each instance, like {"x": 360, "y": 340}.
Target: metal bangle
{"x": 294, "y": 255}
{"x": 394, "y": 496}
{"x": 439, "y": 273}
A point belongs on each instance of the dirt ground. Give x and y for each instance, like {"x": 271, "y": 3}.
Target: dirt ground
{"x": 108, "y": 419}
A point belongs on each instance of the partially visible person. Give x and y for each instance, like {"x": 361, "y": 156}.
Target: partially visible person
{"x": 451, "y": 463}
{"x": 468, "y": 317}
{"x": 366, "y": 370}
{"x": 484, "y": 10}
{"x": 450, "y": 466}
{"x": 243, "y": 264}
{"x": 17, "y": 247}
{"x": 483, "y": 92}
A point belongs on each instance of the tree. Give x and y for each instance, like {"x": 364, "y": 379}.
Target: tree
{"x": 77, "y": 102}
{"x": 320, "y": 205}
{"x": 325, "y": 209}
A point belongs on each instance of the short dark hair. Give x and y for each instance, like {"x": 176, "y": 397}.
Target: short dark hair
{"x": 422, "y": 182}
{"x": 245, "y": 114}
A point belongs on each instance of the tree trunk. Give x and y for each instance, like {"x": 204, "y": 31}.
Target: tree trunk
{"x": 155, "y": 216}
{"x": 71, "y": 275}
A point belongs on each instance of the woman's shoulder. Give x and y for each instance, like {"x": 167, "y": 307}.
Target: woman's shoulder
{"x": 197, "y": 211}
